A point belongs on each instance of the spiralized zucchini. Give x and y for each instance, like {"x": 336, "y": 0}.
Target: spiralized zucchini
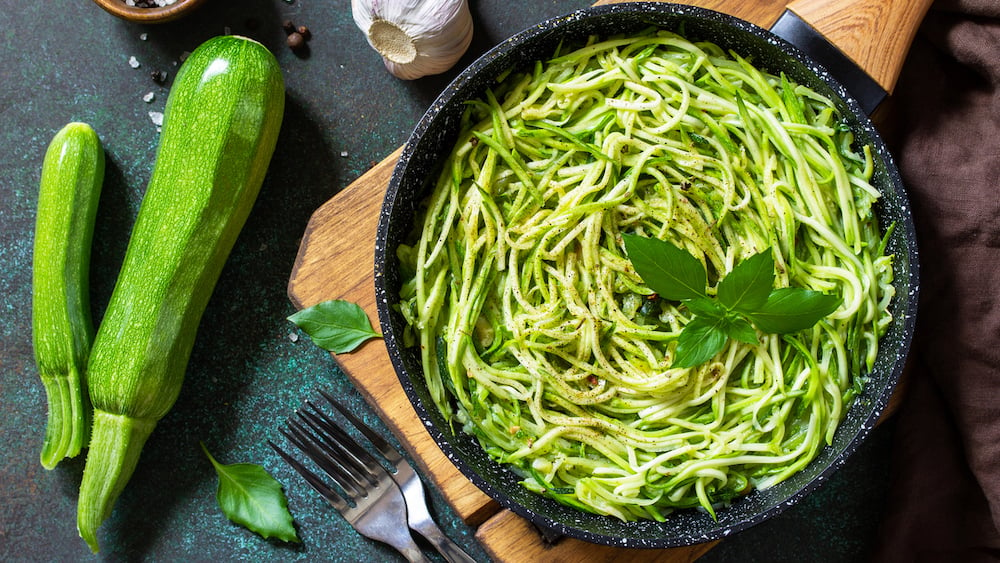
{"x": 538, "y": 337}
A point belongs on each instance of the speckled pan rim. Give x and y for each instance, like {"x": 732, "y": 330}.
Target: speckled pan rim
{"x": 683, "y": 527}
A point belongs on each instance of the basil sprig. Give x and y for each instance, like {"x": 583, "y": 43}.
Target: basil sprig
{"x": 744, "y": 299}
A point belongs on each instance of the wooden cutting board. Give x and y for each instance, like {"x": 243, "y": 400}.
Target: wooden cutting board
{"x": 335, "y": 261}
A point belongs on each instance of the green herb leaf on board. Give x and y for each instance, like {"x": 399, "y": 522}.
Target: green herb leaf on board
{"x": 336, "y": 325}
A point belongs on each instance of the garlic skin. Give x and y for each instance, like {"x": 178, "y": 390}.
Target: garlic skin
{"x": 415, "y": 37}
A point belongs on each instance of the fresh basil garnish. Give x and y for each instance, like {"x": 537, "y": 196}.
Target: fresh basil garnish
{"x": 744, "y": 299}
{"x": 672, "y": 272}
{"x": 791, "y": 309}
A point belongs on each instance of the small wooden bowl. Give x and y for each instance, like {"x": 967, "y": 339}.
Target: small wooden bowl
{"x": 149, "y": 15}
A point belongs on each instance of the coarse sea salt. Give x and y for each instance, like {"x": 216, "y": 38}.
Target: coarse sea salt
{"x": 159, "y": 3}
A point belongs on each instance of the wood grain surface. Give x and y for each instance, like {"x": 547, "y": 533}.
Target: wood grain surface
{"x": 860, "y": 28}
{"x": 335, "y": 261}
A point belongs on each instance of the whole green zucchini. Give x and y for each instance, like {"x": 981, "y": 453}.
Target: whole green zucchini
{"x": 62, "y": 329}
{"x": 219, "y": 131}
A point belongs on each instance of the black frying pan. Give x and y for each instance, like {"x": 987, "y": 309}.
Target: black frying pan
{"x": 420, "y": 163}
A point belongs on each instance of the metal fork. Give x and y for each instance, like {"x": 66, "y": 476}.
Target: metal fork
{"x": 374, "y": 506}
{"x": 418, "y": 516}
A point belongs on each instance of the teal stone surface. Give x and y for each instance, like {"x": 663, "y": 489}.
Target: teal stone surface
{"x": 250, "y": 368}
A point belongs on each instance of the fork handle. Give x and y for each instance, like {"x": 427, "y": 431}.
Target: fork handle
{"x": 452, "y": 553}
{"x": 447, "y": 548}
{"x": 412, "y": 553}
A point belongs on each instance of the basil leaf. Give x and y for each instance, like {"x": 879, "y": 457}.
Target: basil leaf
{"x": 250, "y": 497}
{"x": 337, "y": 326}
{"x": 672, "y": 272}
{"x": 705, "y": 307}
{"x": 743, "y": 296}
{"x": 748, "y": 285}
{"x": 738, "y": 328}
{"x": 792, "y": 309}
{"x": 700, "y": 340}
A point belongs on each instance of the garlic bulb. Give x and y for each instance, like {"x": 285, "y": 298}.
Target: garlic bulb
{"x": 415, "y": 37}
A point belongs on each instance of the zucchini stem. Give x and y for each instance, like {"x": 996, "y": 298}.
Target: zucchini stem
{"x": 116, "y": 443}
{"x": 68, "y": 425}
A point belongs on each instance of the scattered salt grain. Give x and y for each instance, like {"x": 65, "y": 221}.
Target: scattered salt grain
{"x": 133, "y": 62}
{"x": 149, "y": 97}
{"x": 293, "y": 337}
{"x": 156, "y": 117}
{"x": 343, "y": 153}
{"x": 143, "y": 36}
{"x": 149, "y": 3}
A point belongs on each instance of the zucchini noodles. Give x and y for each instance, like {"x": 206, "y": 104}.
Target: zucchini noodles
{"x": 537, "y": 336}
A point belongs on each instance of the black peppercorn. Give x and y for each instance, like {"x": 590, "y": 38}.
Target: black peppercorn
{"x": 289, "y": 27}
{"x": 304, "y": 32}
{"x": 295, "y": 40}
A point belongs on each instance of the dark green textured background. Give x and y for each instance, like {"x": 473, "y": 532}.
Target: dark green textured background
{"x": 68, "y": 61}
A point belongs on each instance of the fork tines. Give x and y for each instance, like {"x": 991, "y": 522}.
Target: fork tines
{"x": 332, "y": 449}
{"x": 314, "y": 481}
{"x": 370, "y": 500}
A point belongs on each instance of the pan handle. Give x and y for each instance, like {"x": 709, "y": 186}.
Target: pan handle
{"x": 875, "y": 34}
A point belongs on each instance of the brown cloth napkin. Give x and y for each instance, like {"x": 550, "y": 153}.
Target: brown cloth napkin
{"x": 944, "y": 128}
